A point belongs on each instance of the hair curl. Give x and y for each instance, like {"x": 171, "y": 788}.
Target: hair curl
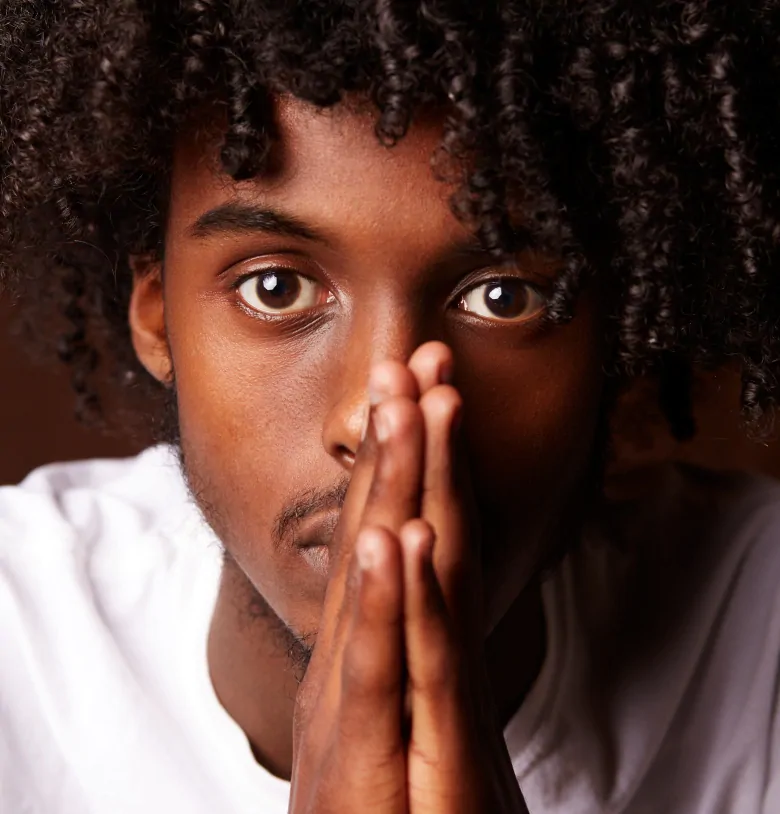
{"x": 641, "y": 141}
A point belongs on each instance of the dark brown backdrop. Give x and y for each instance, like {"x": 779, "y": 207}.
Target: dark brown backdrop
{"x": 37, "y": 424}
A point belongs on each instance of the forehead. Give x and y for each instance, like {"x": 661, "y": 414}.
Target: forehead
{"x": 327, "y": 166}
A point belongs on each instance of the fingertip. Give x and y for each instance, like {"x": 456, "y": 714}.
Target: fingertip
{"x": 418, "y": 539}
{"x": 389, "y": 379}
{"x": 373, "y": 549}
{"x": 397, "y": 477}
{"x": 432, "y": 364}
{"x": 379, "y": 577}
{"x": 442, "y": 406}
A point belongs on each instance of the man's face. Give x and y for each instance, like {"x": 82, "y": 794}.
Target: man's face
{"x": 281, "y": 292}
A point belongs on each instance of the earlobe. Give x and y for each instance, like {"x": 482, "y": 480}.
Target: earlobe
{"x": 147, "y": 318}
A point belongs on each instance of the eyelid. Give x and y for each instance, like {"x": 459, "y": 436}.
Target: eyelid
{"x": 248, "y": 275}
{"x": 256, "y": 266}
{"x": 534, "y": 292}
{"x": 255, "y": 271}
{"x": 495, "y": 274}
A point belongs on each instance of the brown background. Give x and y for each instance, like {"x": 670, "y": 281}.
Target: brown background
{"x": 37, "y": 424}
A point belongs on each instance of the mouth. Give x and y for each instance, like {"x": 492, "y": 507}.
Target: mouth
{"x": 313, "y": 538}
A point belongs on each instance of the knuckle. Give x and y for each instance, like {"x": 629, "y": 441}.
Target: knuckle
{"x": 379, "y": 606}
{"x": 362, "y": 673}
{"x": 391, "y": 473}
{"x": 403, "y": 415}
{"x": 431, "y": 760}
{"x": 442, "y": 672}
{"x": 360, "y": 780}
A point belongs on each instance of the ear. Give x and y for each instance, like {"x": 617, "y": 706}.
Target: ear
{"x": 147, "y": 318}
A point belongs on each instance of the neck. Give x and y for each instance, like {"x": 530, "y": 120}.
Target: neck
{"x": 255, "y": 679}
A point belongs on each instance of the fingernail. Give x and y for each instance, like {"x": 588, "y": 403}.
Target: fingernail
{"x": 375, "y": 395}
{"x": 367, "y": 552}
{"x": 382, "y": 426}
{"x": 376, "y": 391}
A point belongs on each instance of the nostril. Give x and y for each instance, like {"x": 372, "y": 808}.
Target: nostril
{"x": 343, "y": 425}
{"x": 346, "y": 456}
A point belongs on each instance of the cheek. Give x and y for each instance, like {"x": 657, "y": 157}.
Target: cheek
{"x": 531, "y": 433}
{"x": 244, "y": 408}
{"x": 230, "y": 416}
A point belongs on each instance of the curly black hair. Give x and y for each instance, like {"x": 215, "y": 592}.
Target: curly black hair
{"x": 640, "y": 141}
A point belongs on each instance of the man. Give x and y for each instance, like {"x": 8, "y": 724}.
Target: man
{"x": 389, "y": 362}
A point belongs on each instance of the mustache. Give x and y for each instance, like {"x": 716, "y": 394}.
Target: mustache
{"x": 306, "y": 504}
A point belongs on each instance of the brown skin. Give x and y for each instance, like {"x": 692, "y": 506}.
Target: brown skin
{"x": 273, "y": 409}
{"x": 395, "y": 601}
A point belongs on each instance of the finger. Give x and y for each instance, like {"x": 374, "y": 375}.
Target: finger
{"x": 372, "y": 660}
{"x": 445, "y": 740}
{"x": 352, "y": 747}
{"x": 394, "y": 494}
{"x": 433, "y": 660}
{"x": 432, "y": 364}
{"x": 389, "y": 379}
{"x": 445, "y": 503}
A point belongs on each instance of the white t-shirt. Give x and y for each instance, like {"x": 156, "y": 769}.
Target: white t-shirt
{"x": 658, "y": 693}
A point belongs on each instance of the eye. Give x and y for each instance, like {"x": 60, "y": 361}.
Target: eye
{"x": 279, "y": 291}
{"x": 505, "y": 300}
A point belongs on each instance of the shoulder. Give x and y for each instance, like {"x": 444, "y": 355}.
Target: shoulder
{"x": 98, "y": 546}
{"x": 94, "y": 499}
{"x": 688, "y": 573}
{"x": 106, "y": 589}
{"x": 677, "y": 512}
{"x": 95, "y": 525}
{"x": 670, "y": 616}
{"x": 681, "y": 554}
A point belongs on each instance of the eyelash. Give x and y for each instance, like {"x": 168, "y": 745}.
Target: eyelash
{"x": 476, "y": 281}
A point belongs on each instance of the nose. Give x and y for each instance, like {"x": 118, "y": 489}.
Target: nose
{"x": 392, "y": 339}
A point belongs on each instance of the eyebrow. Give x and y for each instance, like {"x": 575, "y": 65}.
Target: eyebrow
{"x": 235, "y": 217}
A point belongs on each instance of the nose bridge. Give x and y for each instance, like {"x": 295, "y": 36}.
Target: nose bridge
{"x": 389, "y": 333}
{"x": 394, "y": 330}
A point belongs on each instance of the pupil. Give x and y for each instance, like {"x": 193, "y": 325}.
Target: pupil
{"x": 278, "y": 290}
{"x": 506, "y": 299}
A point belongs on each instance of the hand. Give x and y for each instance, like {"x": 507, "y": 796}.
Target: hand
{"x": 394, "y": 713}
{"x": 349, "y": 753}
{"x": 457, "y": 761}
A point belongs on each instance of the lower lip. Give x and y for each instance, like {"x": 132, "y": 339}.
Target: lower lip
{"x": 317, "y": 556}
